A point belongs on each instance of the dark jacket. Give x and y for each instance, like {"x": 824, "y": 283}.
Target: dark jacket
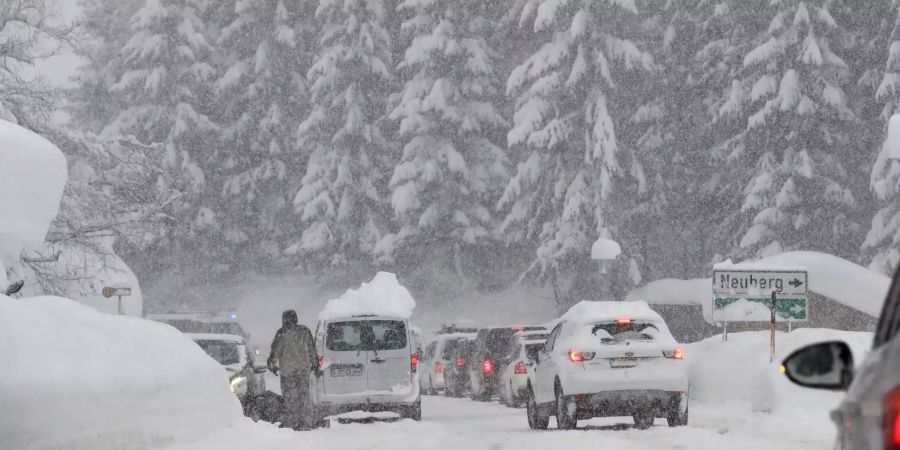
{"x": 293, "y": 350}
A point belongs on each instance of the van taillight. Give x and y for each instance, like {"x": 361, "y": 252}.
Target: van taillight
{"x": 438, "y": 367}
{"x": 520, "y": 368}
{"x": 677, "y": 353}
{"x": 891, "y": 425}
{"x": 460, "y": 362}
{"x": 414, "y": 362}
{"x": 487, "y": 366}
{"x": 320, "y": 362}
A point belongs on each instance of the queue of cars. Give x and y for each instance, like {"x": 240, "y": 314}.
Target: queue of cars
{"x": 600, "y": 359}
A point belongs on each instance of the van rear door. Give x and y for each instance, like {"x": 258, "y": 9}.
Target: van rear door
{"x": 389, "y": 356}
{"x": 346, "y": 358}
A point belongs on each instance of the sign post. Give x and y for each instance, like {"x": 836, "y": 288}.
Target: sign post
{"x": 119, "y": 292}
{"x": 760, "y": 295}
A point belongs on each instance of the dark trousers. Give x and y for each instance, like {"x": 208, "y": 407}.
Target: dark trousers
{"x": 298, "y": 412}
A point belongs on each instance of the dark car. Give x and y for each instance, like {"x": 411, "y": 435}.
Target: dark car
{"x": 868, "y": 418}
{"x": 456, "y": 375}
{"x": 491, "y": 344}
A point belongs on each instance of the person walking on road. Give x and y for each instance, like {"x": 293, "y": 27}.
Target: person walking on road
{"x": 293, "y": 358}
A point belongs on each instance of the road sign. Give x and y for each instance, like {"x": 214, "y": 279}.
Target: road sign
{"x": 109, "y": 292}
{"x": 118, "y": 292}
{"x": 745, "y": 295}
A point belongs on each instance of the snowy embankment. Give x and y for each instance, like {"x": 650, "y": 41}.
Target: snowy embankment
{"x": 829, "y": 276}
{"x": 738, "y": 371}
{"x": 78, "y": 378}
{"x": 32, "y": 177}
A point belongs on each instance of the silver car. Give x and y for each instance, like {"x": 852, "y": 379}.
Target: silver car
{"x": 869, "y": 416}
{"x": 245, "y": 376}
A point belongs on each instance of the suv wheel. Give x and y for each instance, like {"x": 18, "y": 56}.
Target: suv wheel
{"x": 413, "y": 412}
{"x": 676, "y": 418}
{"x": 566, "y": 411}
{"x": 537, "y": 418}
{"x": 643, "y": 420}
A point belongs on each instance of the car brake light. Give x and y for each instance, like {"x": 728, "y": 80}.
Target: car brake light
{"x": 623, "y": 320}
{"x": 520, "y": 368}
{"x": 891, "y": 425}
{"x": 579, "y": 356}
{"x": 460, "y": 362}
{"x": 320, "y": 362}
{"x": 518, "y": 328}
{"x": 438, "y": 367}
{"x": 487, "y": 366}
{"x": 414, "y": 362}
{"x": 678, "y": 353}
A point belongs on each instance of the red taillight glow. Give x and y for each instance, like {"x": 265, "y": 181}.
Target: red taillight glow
{"x": 678, "y": 353}
{"x": 518, "y": 328}
{"x": 320, "y": 362}
{"x": 520, "y": 368}
{"x": 487, "y": 366}
{"x": 460, "y": 362}
{"x": 438, "y": 367}
{"x": 414, "y": 362}
{"x": 575, "y": 356}
{"x": 891, "y": 424}
{"x": 623, "y": 320}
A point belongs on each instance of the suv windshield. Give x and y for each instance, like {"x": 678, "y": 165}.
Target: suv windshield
{"x": 226, "y": 353}
{"x": 621, "y": 332}
{"x": 365, "y": 335}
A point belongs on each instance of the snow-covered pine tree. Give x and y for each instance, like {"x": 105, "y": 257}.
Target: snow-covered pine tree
{"x": 883, "y": 239}
{"x": 797, "y": 147}
{"x": 261, "y": 96}
{"x": 161, "y": 85}
{"x": 452, "y": 168}
{"x": 342, "y": 201}
{"x": 564, "y": 133}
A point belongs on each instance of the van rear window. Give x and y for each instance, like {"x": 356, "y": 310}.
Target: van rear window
{"x": 365, "y": 335}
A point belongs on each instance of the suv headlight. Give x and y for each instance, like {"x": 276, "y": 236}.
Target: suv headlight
{"x": 239, "y": 385}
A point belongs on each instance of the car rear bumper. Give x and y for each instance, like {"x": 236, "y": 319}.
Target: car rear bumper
{"x": 670, "y": 378}
{"x": 518, "y": 383}
{"x": 630, "y": 402}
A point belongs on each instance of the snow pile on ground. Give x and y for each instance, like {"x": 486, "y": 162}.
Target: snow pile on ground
{"x": 32, "y": 177}
{"x": 738, "y": 371}
{"x": 383, "y": 296}
{"x": 828, "y": 275}
{"x": 78, "y": 378}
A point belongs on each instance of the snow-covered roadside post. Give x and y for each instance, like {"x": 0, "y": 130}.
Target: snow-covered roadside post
{"x": 605, "y": 251}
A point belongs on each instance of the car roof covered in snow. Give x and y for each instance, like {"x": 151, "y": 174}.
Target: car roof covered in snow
{"x": 384, "y": 296}
{"x": 590, "y": 312}
{"x": 216, "y": 337}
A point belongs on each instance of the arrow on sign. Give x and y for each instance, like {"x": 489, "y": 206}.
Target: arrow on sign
{"x": 795, "y": 282}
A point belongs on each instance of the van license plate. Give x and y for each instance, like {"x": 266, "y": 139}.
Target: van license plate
{"x": 346, "y": 371}
{"x": 617, "y": 363}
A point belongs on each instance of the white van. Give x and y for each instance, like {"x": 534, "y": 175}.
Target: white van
{"x": 367, "y": 363}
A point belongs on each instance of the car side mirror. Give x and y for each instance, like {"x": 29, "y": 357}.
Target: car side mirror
{"x": 259, "y": 368}
{"x": 533, "y": 353}
{"x": 826, "y": 365}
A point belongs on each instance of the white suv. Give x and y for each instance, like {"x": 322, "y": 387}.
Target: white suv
{"x": 367, "y": 363}
{"x": 608, "y": 359}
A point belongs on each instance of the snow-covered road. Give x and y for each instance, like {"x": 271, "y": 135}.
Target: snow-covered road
{"x": 450, "y": 424}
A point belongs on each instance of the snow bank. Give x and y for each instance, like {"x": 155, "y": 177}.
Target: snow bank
{"x": 78, "y": 378}
{"x": 383, "y": 296}
{"x": 592, "y": 311}
{"x": 32, "y": 177}
{"x": 738, "y": 371}
{"x": 828, "y": 275}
